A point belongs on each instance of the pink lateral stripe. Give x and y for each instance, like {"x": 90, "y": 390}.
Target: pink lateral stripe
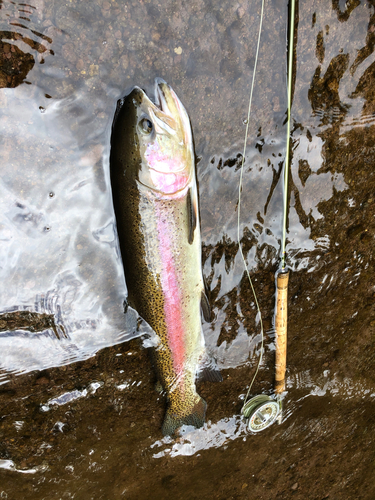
{"x": 172, "y": 294}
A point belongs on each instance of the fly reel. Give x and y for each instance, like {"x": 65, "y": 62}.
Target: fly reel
{"x": 260, "y": 412}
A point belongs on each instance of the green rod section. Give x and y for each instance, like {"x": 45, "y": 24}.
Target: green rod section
{"x": 287, "y": 155}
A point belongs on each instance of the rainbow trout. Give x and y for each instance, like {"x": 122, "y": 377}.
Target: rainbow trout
{"x": 156, "y": 204}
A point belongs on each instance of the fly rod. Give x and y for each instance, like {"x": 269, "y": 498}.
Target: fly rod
{"x": 262, "y": 411}
{"x": 282, "y": 277}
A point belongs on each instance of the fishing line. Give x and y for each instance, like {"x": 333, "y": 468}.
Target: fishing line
{"x": 239, "y": 203}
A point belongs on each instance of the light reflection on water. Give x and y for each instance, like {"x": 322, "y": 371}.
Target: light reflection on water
{"x": 10, "y": 465}
{"x": 210, "y": 436}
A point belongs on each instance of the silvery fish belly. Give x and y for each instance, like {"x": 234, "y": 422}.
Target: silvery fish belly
{"x": 156, "y": 205}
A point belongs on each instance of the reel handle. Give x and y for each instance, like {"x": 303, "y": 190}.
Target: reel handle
{"x": 281, "y": 330}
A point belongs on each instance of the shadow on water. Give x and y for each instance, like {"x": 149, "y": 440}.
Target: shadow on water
{"x": 79, "y": 414}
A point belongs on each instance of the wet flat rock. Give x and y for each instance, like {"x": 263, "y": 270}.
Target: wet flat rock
{"x": 26, "y": 320}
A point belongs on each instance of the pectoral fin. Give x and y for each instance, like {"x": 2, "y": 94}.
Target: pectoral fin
{"x": 192, "y": 210}
{"x": 208, "y": 369}
{"x": 205, "y": 306}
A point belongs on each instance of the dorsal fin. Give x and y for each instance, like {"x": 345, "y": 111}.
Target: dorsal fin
{"x": 192, "y": 215}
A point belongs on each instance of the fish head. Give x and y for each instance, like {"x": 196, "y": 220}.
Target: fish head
{"x": 162, "y": 134}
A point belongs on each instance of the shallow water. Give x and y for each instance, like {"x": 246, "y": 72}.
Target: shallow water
{"x": 76, "y": 424}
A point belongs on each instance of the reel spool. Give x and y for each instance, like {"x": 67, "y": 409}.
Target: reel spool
{"x": 260, "y": 412}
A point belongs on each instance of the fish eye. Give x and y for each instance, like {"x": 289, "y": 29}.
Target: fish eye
{"x": 146, "y": 125}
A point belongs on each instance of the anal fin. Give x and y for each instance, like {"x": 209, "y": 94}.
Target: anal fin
{"x": 208, "y": 369}
{"x": 210, "y": 374}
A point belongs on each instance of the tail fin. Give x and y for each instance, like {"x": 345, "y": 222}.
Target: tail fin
{"x": 172, "y": 420}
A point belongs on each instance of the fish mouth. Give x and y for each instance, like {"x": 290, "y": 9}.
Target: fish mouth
{"x": 164, "y": 95}
{"x": 169, "y": 109}
{"x": 165, "y": 102}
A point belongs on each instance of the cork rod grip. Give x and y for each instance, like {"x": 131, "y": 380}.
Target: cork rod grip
{"x": 281, "y": 329}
